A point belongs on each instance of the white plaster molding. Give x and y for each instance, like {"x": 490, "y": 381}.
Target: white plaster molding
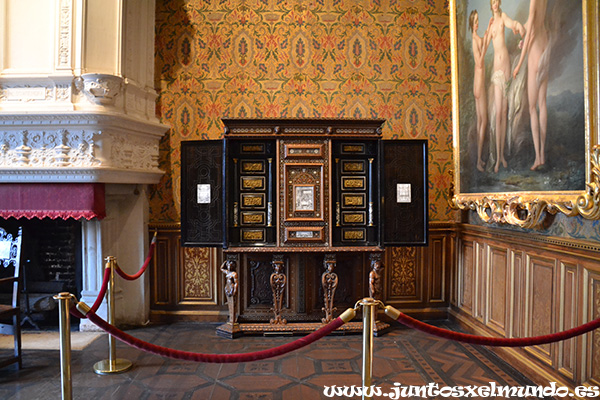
{"x": 92, "y": 270}
{"x": 65, "y": 34}
{"x": 77, "y": 147}
{"x": 88, "y": 93}
{"x": 28, "y": 94}
{"x": 99, "y": 120}
{"x": 102, "y": 89}
{"x": 78, "y": 175}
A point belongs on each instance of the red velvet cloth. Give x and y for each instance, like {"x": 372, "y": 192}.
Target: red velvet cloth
{"x": 52, "y": 200}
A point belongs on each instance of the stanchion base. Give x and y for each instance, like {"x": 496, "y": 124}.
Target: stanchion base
{"x": 105, "y": 367}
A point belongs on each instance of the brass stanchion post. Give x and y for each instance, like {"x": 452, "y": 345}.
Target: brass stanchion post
{"x": 369, "y": 310}
{"x": 113, "y": 365}
{"x": 65, "y": 345}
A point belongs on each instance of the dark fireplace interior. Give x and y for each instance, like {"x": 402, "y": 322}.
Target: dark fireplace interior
{"x": 51, "y": 263}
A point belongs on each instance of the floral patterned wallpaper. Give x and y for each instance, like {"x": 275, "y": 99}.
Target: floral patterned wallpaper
{"x": 385, "y": 59}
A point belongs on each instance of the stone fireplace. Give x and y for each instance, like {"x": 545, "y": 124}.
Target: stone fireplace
{"x": 77, "y": 107}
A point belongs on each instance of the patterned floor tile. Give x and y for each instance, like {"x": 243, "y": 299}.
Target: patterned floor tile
{"x": 400, "y": 357}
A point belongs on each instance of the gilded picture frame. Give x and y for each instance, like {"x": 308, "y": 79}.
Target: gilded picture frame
{"x": 524, "y": 172}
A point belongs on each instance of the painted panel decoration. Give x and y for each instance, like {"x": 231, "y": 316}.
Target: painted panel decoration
{"x": 297, "y": 59}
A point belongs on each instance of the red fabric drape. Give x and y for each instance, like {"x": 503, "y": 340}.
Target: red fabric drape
{"x": 52, "y": 200}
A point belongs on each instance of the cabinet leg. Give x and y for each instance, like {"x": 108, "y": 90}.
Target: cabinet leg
{"x": 329, "y": 281}
{"x": 278, "y": 283}
{"x": 231, "y": 329}
{"x": 376, "y": 276}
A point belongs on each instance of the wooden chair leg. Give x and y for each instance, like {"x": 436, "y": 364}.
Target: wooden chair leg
{"x": 17, "y": 334}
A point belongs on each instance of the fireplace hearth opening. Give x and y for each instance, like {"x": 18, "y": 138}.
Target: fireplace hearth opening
{"x": 50, "y": 264}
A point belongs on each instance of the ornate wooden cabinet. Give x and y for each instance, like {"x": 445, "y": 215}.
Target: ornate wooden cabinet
{"x": 303, "y": 210}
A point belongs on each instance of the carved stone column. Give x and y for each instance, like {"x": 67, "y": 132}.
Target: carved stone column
{"x": 278, "y": 283}
{"x": 329, "y": 281}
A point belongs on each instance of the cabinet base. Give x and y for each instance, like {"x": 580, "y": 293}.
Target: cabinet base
{"x": 291, "y": 329}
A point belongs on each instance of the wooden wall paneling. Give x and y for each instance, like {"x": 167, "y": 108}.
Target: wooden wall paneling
{"x": 481, "y": 281}
{"x": 541, "y": 303}
{"x": 590, "y": 362}
{"x": 568, "y": 293}
{"x": 435, "y": 255}
{"x": 553, "y": 285}
{"x": 404, "y": 276}
{"x": 497, "y": 288}
{"x": 516, "y": 307}
{"x": 162, "y": 281}
{"x": 466, "y": 273}
{"x": 417, "y": 279}
{"x": 453, "y": 270}
{"x": 197, "y": 284}
{"x": 185, "y": 282}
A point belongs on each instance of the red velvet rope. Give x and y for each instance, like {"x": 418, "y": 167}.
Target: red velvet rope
{"x": 214, "y": 358}
{"x": 143, "y": 269}
{"x": 491, "y": 341}
{"x": 100, "y": 297}
{"x": 102, "y": 290}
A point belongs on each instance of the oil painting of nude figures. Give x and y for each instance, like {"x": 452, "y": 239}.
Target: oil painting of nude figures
{"x": 521, "y": 107}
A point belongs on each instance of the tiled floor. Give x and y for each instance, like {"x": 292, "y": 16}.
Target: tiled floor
{"x": 401, "y": 356}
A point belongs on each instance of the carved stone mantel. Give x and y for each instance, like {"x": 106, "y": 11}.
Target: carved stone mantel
{"x": 77, "y": 147}
{"x": 78, "y": 104}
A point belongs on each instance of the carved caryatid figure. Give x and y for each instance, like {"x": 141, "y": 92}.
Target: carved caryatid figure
{"x": 329, "y": 281}
{"x": 231, "y": 288}
{"x": 375, "y": 278}
{"x": 278, "y": 282}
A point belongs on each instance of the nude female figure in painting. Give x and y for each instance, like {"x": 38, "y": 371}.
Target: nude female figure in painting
{"x": 501, "y": 75}
{"x": 480, "y": 45}
{"x": 536, "y": 45}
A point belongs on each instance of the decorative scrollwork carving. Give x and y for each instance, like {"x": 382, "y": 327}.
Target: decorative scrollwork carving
{"x": 524, "y": 214}
{"x": 588, "y": 204}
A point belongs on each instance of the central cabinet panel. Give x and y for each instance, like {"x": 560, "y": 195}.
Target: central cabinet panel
{"x": 304, "y": 191}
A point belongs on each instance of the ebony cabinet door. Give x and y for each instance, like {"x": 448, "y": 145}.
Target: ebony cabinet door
{"x": 405, "y": 193}
{"x": 252, "y": 192}
{"x": 355, "y": 190}
{"x": 202, "y": 193}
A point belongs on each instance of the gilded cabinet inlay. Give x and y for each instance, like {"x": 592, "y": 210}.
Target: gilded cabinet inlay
{"x": 253, "y": 183}
{"x": 253, "y": 235}
{"x": 353, "y": 148}
{"x": 353, "y": 166}
{"x": 353, "y": 200}
{"x": 353, "y": 183}
{"x": 353, "y": 234}
{"x": 253, "y": 200}
{"x": 253, "y": 167}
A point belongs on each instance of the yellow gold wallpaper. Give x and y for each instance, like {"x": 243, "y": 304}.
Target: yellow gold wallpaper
{"x": 385, "y": 59}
